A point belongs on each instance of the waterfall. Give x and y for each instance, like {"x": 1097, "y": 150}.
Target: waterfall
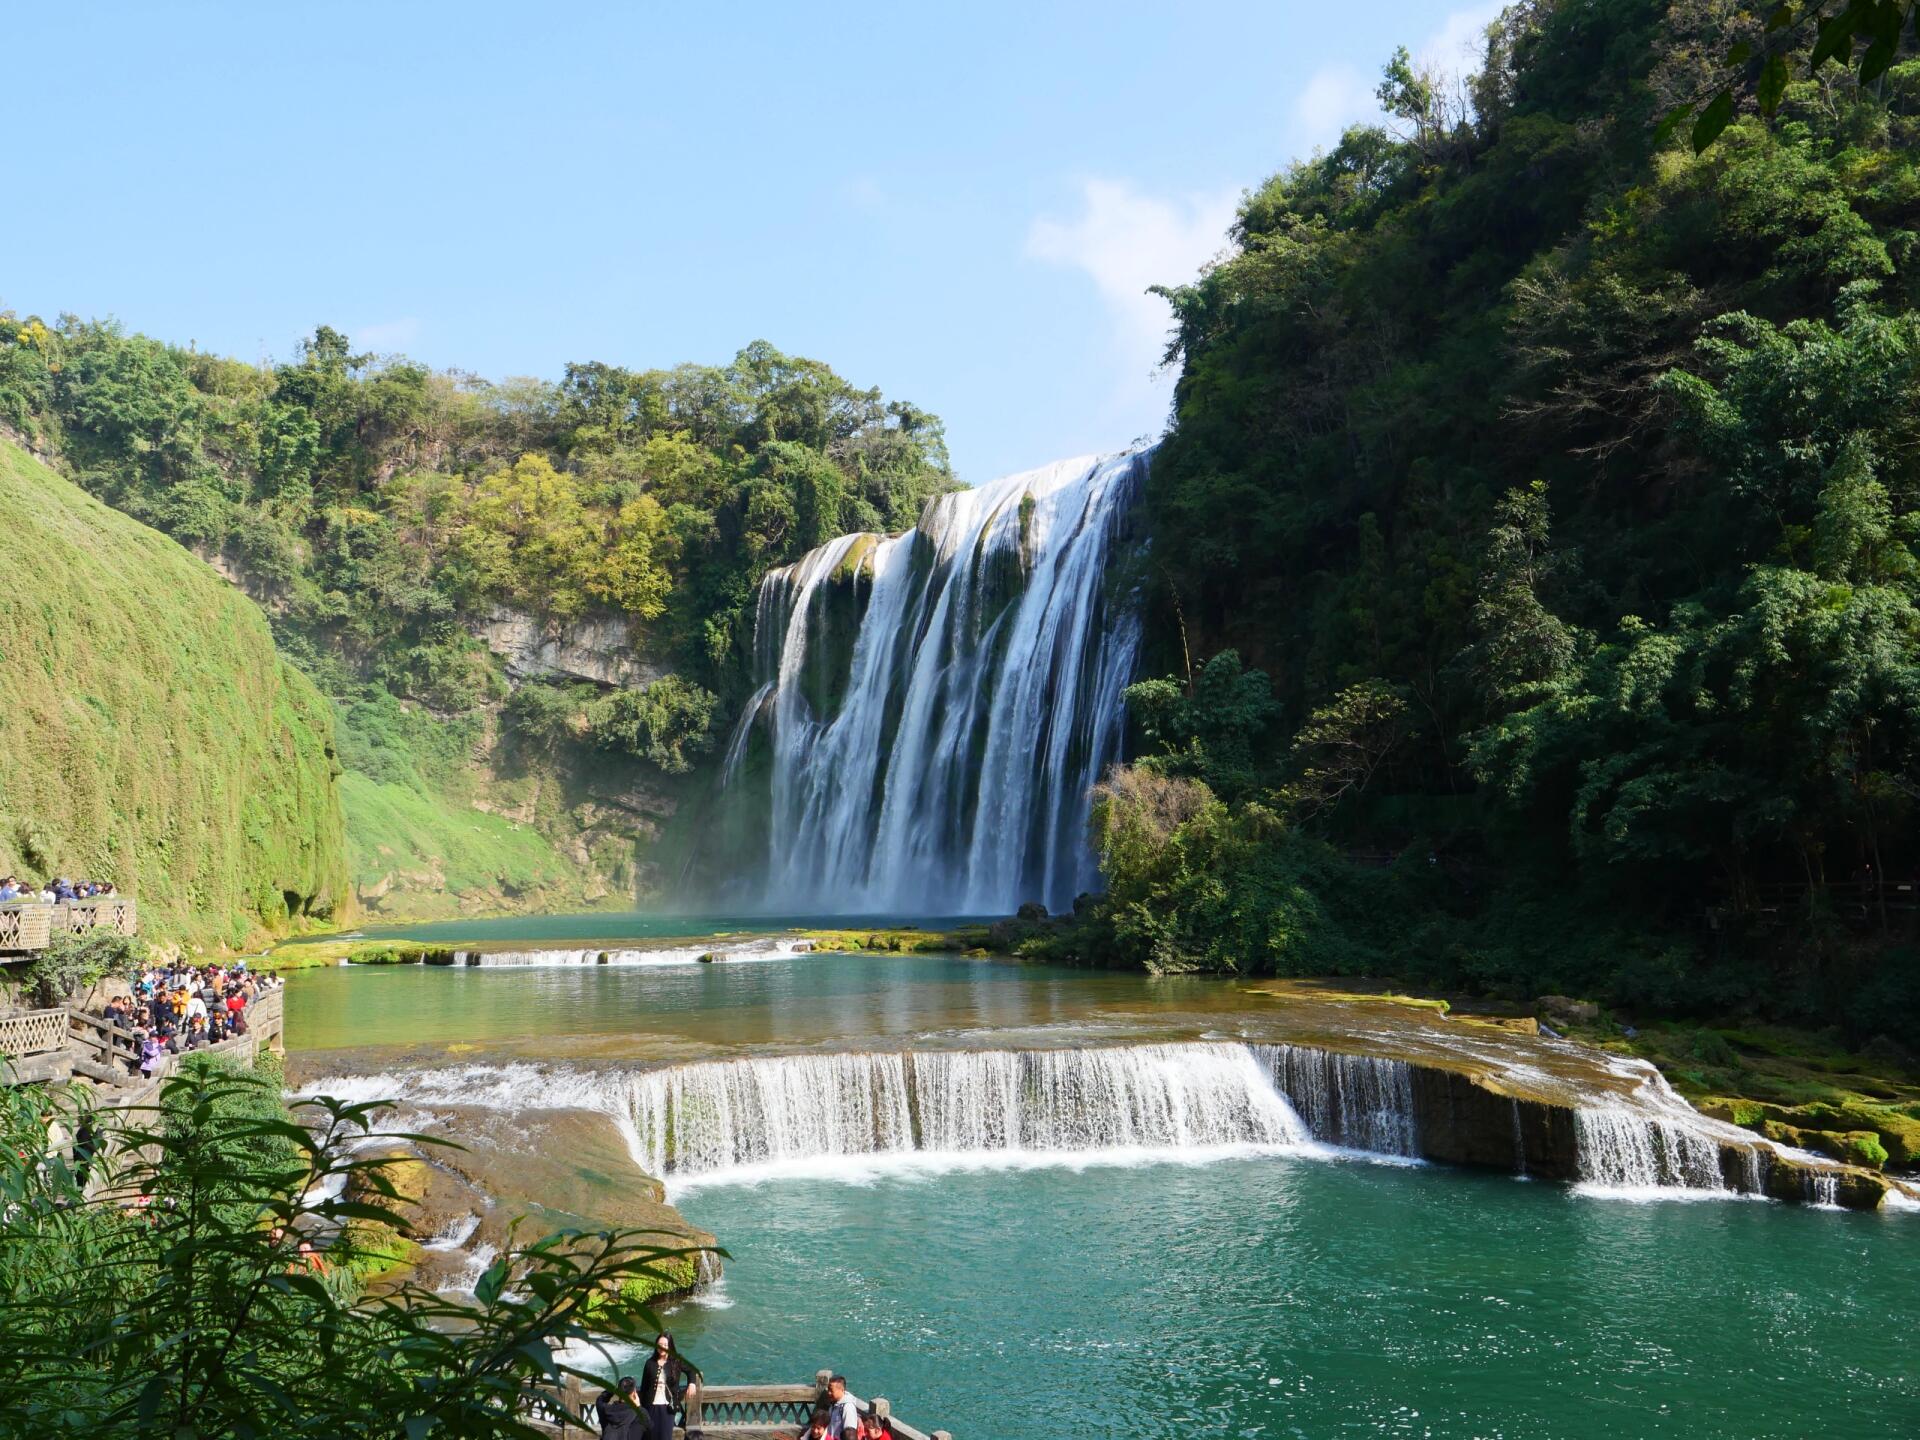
{"x": 736, "y": 1115}
{"x": 1360, "y": 1101}
{"x": 938, "y": 704}
{"x": 1629, "y": 1150}
{"x": 783, "y": 948}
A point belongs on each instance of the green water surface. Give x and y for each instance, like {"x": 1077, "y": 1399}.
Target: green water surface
{"x": 1250, "y": 1297}
{"x": 1282, "y": 1297}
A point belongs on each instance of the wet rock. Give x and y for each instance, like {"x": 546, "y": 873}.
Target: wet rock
{"x": 1564, "y": 1011}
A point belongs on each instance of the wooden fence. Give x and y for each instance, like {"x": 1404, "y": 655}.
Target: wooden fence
{"x": 105, "y": 1051}
{"x": 34, "y": 1033}
{"x": 27, "y": 925}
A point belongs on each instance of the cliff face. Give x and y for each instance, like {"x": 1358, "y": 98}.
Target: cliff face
{"x": 598, "y": 648}
{"x": 149, "y": 732}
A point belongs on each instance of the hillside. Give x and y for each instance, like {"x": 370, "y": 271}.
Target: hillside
{"x": 531, "y": 603}
{"x": 149, "y": 733}
{"x": 1539, "y": 513}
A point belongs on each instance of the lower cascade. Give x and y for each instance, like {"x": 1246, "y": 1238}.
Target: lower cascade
{"x": 1360, "y": 1101}
{"x": 934, "y": 707}
{"x": 699, "y": 1119}
{"x": 1620, "y": 1149}
{"x": 712, "y": 1120}
{"x": 711, "y": 950}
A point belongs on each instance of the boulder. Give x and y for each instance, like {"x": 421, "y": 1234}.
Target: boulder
{"x": 1562, "y": 1010}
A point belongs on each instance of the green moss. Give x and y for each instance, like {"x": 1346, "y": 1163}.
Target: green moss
{"x": 151, "y": 734}
{"x": 1864, "y": 1148}
{"x": 399, "y": 953}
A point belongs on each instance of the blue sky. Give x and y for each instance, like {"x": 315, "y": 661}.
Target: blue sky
{"x": 959, "y": 204}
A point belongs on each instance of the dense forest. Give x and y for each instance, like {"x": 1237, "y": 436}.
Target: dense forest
{"x": 384, "y": 513}
{"x": 1535, "y": 543}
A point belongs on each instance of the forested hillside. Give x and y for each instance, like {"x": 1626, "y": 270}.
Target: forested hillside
{"x": 604, "y": 534}
{"x": 1539, "y": 517}
{"x": 149, "y": 735}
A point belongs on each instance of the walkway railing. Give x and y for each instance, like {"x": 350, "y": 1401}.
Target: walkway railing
{"x": 739, "y": 1412}
{"x": 105, "y": 1051}
{"x": 34, "y": 1033}
{"x": 27, "y": 925}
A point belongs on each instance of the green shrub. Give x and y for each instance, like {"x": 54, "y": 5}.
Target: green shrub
{"x": 667, "y": 722}
{"x": 71, "y": 963}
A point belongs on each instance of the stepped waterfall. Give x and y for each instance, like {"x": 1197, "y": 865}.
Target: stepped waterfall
{"x": 722, "y": 1120}
{"x": 934, "y": 707}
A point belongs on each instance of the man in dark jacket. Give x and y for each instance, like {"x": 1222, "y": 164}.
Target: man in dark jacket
{"x": 619, "y": 1413}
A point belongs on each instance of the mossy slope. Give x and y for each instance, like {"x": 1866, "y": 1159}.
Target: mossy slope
{"x": 149, "y": 731}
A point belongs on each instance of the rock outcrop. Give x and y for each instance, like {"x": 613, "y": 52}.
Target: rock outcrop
{"x": 593, "y": 647}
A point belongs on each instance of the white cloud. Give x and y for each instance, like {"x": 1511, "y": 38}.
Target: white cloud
{"x": 1335, "y": 98}
{"x": 1124, "y": 240}
{"x": 864, "y": 192}
{"x": 1459, "y": 45}
{"x": 1339, "y": 95}
{"x": 387, "y": 335}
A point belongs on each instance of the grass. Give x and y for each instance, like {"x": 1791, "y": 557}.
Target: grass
{"x": 439, "y": 844}
{"x": 150, "y": 733}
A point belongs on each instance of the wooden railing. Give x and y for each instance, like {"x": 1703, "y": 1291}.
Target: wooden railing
{"x": 99, "y": 1048}
{"x": 34, "y": 1033}
{"x": 27, "y": 925}
{"x": 735, "y": 1412}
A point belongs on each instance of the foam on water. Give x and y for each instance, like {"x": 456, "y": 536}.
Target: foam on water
{"x": 731, "y": 952}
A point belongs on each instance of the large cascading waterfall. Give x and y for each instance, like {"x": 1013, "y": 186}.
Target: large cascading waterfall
{"x": 938, "y": 704}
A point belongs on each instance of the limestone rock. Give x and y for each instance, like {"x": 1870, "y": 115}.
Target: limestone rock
{"x": 594, "y": 647}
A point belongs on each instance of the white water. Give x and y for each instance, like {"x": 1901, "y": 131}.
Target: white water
{"x": 731, "y": 951}
{"x": 980, "y": 702}
{"x": 455, "y": 1233}
{"x": 1360, "y": 1101}
{"x": 844, "y": 1116}
{"x": 1629, "y": 1152}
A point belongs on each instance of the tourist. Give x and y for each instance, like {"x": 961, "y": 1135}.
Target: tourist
{"x": 152, "y": 1051}
{"x": 9, "y": 889}
{"x": 872, "y": 1427}
{"x": 816, "y": 1428}
{"x": 663, "y": 1379}
{"x": 843, "y": 1411}
{"x": 619, "y": 1412}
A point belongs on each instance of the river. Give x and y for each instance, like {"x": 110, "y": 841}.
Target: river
{"x": 1115, "y": 1271}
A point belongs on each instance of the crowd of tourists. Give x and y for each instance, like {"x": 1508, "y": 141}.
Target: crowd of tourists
{"x": 644, "y": 1407}
{"x": 61, "y": 891}
{"x": 174, "y": 1009}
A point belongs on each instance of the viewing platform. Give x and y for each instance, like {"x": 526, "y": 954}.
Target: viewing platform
{"x": 55, "y": 1045}
{"x": 27, "y": 926}
{"x": 740, "y": 1412}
